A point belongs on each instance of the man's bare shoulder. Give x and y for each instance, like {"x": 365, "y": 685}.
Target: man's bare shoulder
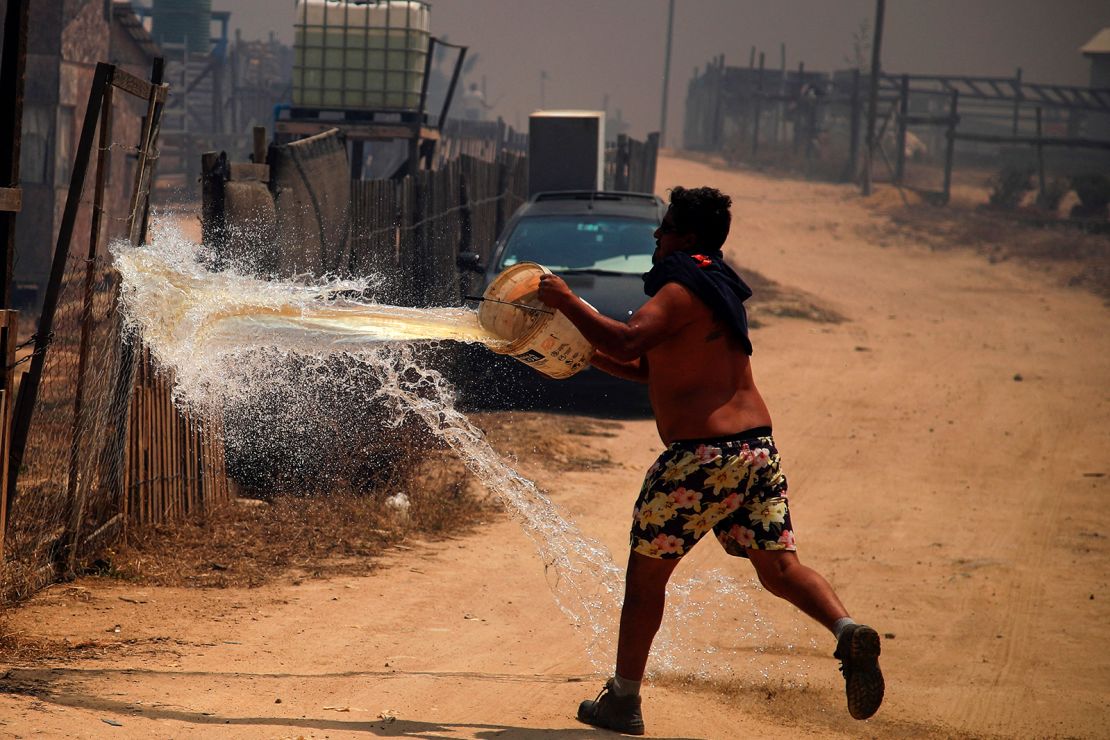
{"x": 677, "y": 295}
{"x": 677, "y": 299}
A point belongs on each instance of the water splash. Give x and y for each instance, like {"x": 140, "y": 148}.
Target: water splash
{"x": 227, "y": 334}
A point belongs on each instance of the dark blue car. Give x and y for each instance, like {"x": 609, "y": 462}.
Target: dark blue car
{"x": 600, "y": 243}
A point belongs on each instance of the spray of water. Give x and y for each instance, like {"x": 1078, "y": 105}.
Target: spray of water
{"x": 226, "y": 335}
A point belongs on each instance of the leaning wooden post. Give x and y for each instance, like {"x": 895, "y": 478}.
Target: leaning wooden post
{"x": 75, "y": 493}
{"x": 798, "y": 107}
{"x": 903, "y": 111}
{"x": 124, "y": 379}
{"x": 950, "y": 150}
{"x": 780, "y": 107}
{"x": 1040, "y": 156}
{"x": 718, "y": 123}
{"x": 853, "y": 142}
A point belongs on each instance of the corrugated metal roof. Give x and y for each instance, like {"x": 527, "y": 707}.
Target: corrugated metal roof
{"x": 1099, "y": 43}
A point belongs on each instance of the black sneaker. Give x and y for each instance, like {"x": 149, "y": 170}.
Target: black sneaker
{"x": 620, "y": 713}
{"x": 858, "y": 652}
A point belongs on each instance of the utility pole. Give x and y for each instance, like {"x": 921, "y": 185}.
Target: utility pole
{"x": 873, "y": 97}
{"x": 666, "y": 75}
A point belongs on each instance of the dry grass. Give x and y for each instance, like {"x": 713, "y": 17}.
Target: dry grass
{"x": 18, "y": 647}
{"x": 251, "y": 542}
{"x": 1069, "y": 254}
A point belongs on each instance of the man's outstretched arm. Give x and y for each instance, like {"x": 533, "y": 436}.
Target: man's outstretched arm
{"x": 635, "y": 370}
{"x": 662, "y": 316}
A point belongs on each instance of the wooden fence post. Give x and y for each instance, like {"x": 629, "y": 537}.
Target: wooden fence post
{"x": 1040, "y": 157}
{"x": 718, "y": 122}
{"x": 758, "y": 109}
{"x": 798, "y": 108}
{"x": 258, "y": 145}
{"x": 780, "y": 106}
{"x": 853, "y": 142}
{"x": 651, "y": 156}
{"x": 620, "y": 176}
{"x": 811, "y": 130}
{"x": 9, "y": 332}
{"x": 1017, "y": 100}
{"x": 950, "y": 149}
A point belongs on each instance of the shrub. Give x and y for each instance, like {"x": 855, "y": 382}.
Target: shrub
{"x": 1094, "y": 195}
{"x": 1054, "y": 192}
{"x": 1009, "y": 186}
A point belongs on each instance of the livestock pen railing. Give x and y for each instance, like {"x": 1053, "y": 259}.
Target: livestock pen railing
{"x": 927, "y": 126}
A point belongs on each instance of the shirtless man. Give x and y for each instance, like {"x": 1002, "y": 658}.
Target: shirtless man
{"x": 721, "y": 469}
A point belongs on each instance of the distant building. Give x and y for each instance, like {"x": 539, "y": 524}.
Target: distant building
{"x": 1098, "y": 51}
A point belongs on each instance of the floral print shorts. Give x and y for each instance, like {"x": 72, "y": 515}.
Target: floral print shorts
{"x": 732, "y": 485}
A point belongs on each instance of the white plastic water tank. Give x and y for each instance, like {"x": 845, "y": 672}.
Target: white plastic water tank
{"x": 360, "y": 54}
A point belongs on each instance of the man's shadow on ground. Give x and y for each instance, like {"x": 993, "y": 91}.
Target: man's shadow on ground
{"x": 62, "y": 687}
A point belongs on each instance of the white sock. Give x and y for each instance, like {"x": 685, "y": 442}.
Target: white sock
{"x": 838, "y": 627}
{"x": 625, "y": 687}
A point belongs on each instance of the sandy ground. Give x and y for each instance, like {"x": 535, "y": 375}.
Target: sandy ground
{"x": 947, "y": 448}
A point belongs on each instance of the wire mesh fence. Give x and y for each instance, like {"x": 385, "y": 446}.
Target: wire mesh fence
{"x": 86, "y": 456}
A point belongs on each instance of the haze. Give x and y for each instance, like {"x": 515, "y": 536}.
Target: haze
{"x": 590, "y": 48}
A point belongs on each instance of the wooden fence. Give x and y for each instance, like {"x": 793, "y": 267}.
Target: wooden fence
{"x": 410, "y": 232}
{"x": 174, "y": 464}
{"x": 630, "y": 164}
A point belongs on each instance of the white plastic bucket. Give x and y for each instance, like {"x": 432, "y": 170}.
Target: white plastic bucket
{"x": 545, "y": 341}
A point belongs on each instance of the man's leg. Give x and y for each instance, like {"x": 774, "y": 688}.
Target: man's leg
{"x": 857, "y": 645}
{"x": 645, "y": 589}
{"x": 617, "y": 707}
{"x": 782, "y": 574}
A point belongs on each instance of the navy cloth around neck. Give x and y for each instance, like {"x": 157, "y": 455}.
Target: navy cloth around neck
{"x": 710, "y": 279}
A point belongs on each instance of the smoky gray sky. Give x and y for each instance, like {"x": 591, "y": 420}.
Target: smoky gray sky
{"x": 590, "y": 48}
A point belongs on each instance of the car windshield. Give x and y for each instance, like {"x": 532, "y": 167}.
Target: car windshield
{"x": 587, "y": 243}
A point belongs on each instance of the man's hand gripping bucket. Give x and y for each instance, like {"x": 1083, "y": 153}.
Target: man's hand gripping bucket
{"x": 543, "y": 339}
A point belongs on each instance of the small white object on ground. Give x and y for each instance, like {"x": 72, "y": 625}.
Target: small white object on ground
{"x": 399, "y": 502}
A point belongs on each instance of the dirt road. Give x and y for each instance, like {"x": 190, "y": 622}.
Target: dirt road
{"x": 947, "y": 447}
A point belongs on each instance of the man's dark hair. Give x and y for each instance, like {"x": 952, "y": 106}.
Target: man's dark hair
{"x": 703, "y": 211}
